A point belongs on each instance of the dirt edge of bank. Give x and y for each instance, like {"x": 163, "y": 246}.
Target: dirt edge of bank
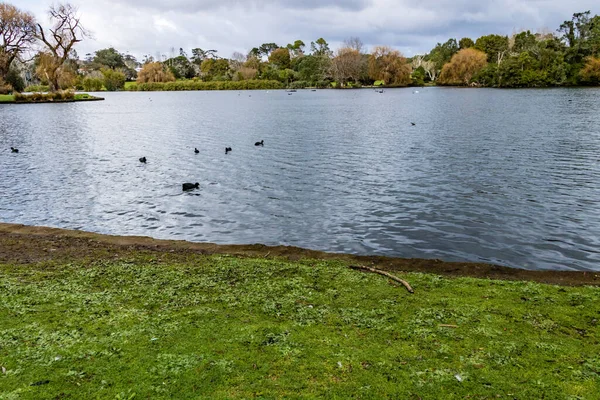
{"x": 26, "y": 244}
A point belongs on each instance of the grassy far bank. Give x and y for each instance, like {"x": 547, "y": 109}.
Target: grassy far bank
{"x": 84, "y": 319}
{"x": 130, "y": 86}
{"x": 47, "y": 98}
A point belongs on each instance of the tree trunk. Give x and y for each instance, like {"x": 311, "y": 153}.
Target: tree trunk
{"x": 53, "y": 80}
{"x": 3, "y": 72}
{"x": 54, "y": 86}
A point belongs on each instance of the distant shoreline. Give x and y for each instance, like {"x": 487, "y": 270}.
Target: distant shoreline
{"x": 363, "y": 88}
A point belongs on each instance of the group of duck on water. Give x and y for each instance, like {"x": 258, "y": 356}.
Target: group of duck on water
{"x": 187, "y": 186}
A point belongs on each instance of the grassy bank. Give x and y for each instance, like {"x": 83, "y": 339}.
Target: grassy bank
{"x": 7, "y": 98}
{"x": 83, "y": 319}
{"x": 65, "y": 97}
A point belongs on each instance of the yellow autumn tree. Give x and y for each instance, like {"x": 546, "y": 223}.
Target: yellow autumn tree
{"x": 590, "y": 73}
{"x": 154, "y": 72}
{"x": 52, "y": 71}
{"x": 245, "y": 73}
{"x": 389, "y": 65}
{"x": 463, "y": 66}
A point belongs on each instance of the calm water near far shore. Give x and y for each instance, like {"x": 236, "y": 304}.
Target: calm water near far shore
{"x": 502, "y": 176}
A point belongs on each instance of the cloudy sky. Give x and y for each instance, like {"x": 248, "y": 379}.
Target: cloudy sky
{"x": 155, "y": 27}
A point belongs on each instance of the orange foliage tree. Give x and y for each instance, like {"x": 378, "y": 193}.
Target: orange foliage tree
{"x": 245, "y": 73}
{"x": 463, "y": 66}
{"x": 590, "y": 73}
{"x": 154, "y": 72}
{"x": 346, "y": 65}
{"x": 52, "y": 71}
{"x": 390, "y": 66}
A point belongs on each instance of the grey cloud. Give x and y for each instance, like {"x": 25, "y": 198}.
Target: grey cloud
{"x": 151, "y": 26}
{"x": 207, "y": 5}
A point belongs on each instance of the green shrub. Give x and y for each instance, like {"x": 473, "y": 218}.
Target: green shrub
{"x": 131, "y": 86}
{"x": 323, "y": 84}
{"x": 299, "y": 85}
{"x": 65, "y": 95}
{"x": 14, "y": 79}
{"x": 418, "y": 77}
{"x": 113, "y": 80}
{"x": 37, "y": 97}
{"x": 37, "y": 88}
{"x": 90, "y": 84}
{"x": 210, "y": 85}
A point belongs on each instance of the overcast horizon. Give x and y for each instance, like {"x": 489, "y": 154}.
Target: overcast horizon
{"x": 152, "y": 28}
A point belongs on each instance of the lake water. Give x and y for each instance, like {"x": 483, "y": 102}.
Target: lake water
{"x": 502, "y": 176}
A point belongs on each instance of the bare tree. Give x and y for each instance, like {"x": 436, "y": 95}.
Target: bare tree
{"x": 237, "y": 60}
{"x": 355, "y": 43}
{"x": 417, "y": 61}
{"x": 431, "y": 69}
{"x": 17, "y": 34}
{"x": 59, "y": 40}
{"x": 347, "y": 65}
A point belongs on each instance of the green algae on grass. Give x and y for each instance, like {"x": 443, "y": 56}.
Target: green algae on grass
{"x": 162, "y": 326}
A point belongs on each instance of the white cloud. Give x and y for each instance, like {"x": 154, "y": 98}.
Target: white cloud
{"x": 163, "y": 25}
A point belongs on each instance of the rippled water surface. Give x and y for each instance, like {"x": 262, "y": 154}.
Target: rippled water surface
{"x": 509, "y": 177}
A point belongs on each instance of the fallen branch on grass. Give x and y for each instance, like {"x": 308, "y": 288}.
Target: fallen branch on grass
{"x": 392, "y": 277}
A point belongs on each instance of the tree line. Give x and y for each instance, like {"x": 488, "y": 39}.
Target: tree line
{"x": 47, "y": 56}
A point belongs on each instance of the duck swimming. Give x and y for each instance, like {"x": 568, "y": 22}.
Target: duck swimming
{"x": 261, "y": 143}
{"x": 190, "y": 186}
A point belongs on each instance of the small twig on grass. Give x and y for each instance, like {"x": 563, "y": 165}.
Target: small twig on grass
{"x": 376, "y": 271}
{"x": 268, "y": 254}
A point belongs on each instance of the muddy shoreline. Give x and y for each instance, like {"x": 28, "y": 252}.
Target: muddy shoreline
{"x": 29, "y": 244}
